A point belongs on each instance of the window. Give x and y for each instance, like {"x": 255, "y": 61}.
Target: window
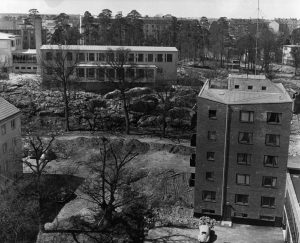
{"x": 140, "y": 57}
{"x": 110, "y": 57}
{"x": 266, "y": 218}
{"x": 250, "y": 87}
{"x": 111, "y": 74}
{"x": 4, "y": 148}
{"x": 80, "y": 72}
{"x": 192, "y": 180}
{"x": 101, "y": 74}
{"x": 246, "y": 116}
{"x": 140, "y": 73}
{"x": 272, "y": 140}
{"x": 130, "y": 73}
{"x": 101, "y": 57}
{"x": 81, "y": 57}
{"x": 270, "y": 161}
{"x": 58, "y": 56}
{"x": 210, "y": 156}
{"x": 268, "y": 202}
{"x": 240, "y": 215}
{"x": 48, "y": 56}
{"x": 16, "y": 67}
{"x": 23, "y": 68}
{"x": 3, "y": 129}
{"x": 14, "y": 141}
{"x": 209, "y": 196}
{"x": 91, "y": 57}
{"x": 236, "y": 86}
{"x": 242, "y": 179}
{"x": 244, "y": 159}
{"x": 209, "y": 176}
{"x": 263, "y": 88}
{"x": 150, "y": 57}
{"x": 169, "y": 57}
{"x": 269, "y": 181}
{"x": 246, "y": 137}
{"x": 212, "y": 135}
{"x": 212, "y": 114}
{"x": 28, "y": 67}
{"x": 34, "y": 67}
{"x": 12, "y": 43}
{"x": 208, "y": 211}
{"x": 273, "y": 118}
{"x": 69, "y": 56}
{"x": 241, "y": 199}
{"x": 13, "y": 124}
{"x": 91, "y": 73}
{"x": 159, "y": 57}
{"x": 131, "y": 57}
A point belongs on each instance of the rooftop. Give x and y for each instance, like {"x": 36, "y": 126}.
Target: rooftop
{"x": 244, "y": 89}
{"x": 6, "y": 36}
{"x": 296, "y": 183}
{"x": 25, "y": 51}
{"x": 7, "y": 109}
{"x": 106, "y": 48}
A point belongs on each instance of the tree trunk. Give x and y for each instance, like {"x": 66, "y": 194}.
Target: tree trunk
{"x": 67, "y": 127}
{"x": 125, "y": 109}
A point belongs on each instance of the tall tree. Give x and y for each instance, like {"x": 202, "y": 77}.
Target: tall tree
{"x": 296, "y": 55}
{"x": 87, "y": 23}
{"x": 135, "y": 28}
{"x": 105, "y": 21}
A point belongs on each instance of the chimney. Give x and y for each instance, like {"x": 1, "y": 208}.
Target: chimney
{"x": 38, "y": 40}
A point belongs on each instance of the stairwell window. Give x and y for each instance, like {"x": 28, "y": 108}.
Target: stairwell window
{"x": 212, "y": 114}
{"x": 270, "y": 161}
{"x": 246, "y": 137}
{"x": 212, "y": 135}
{"x": 209, "y": 196}
{"x": 274, "y": 118}
{"x": 241, "y": 199}
{"x": 269, "y": 181}
{"x": 272, "y": 140}
{"x": 246, "y": 116}
{"x": 268, "y": 202}
{"x": 210, "y": 156}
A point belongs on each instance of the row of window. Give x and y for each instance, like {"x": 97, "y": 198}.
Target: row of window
{"x": 240, "y": 199}
{"x": 23, "y": 68}
{"x": 250, "y": 87}
{"x": 12, "y": 126}
{"x": 247, "y": 138}
{"x": 244, "y": 179}
{"x": 107, "y": 57}
{"x": 248, "y": 116}
{"x": 5, "y": 146}
{"x": 245, "y": 159}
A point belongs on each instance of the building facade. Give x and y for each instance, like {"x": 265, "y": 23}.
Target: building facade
{"x": 287, "y": 57}
{"x": 242, "y": 145}
{"x": 143, "y": 63}
{"x": 10, "y": 141}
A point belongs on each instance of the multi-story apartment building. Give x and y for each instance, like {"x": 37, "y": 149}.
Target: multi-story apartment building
{"x": 143, "y": 63}
{"x": 10, "y": 141}
{"x": 287, "y": 57}
{"x": 242, "y": 145}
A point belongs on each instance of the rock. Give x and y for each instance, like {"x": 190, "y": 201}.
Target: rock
{"x": 113, "y": 95}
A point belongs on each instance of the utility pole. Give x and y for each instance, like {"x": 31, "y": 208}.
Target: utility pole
{"x": 256, "y": 37}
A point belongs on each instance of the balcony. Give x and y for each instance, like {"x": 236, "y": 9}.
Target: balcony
{"x": 193, "y": 140}
{"x": 193, "y": 160}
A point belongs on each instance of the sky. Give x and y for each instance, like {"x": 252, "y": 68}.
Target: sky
{"x": 269, "y": 9}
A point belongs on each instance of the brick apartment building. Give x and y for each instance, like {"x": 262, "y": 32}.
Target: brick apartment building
{"x": 242, "y": 145}
{"x": 10, "y": 141}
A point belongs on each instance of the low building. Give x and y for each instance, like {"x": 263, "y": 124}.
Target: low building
{"x": 287, "y": 57}
{"x": 143, "y": 64}
{"x": 10, "y": 141}
{"x": 242, "y": 140}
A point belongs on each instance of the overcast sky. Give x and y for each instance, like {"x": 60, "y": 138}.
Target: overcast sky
{"x": 178, "y": 8}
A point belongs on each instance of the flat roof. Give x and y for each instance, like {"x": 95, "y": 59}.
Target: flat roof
{"x": 7, "y": 109}
{"x": 25, "y": 51}
{"x": 7, "y": 36}
{"x": 107, "y": 65}
{"x": 106, "y": 48}
{"x": 296, "y": 183}
{"x": 234, "y": 90}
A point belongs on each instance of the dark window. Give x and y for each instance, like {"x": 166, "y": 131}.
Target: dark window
{"x": 241, "y": 199}
{"x": 58, "y": 56}
{"x": 266, "y": 218}
{"x": 209, "y": 196}
{"x": 246, "y": 116}
{"x": 210, "y": 156}
{"x": 101, "y": 57}
{"x": 34, "y": 67}
{"x": 101, "y": 74}
{"x": 16, "y": 67}
{"x": 22, "y": 67}
{"x": 111, "y": 74}
{"x": 28, "y": 67}
{"x": 159, "y": 57}
{"x": 269, "y": 181}
{"x": 263, "y": 88}
{"x": 91, "y": 73}
{"x": 140, "y": 73}
{"x": 150, "y": 57}
{"x": 209, "y": 176}
{"x": 81, "y": 57}
{"x": 169, "y": 57}
{"x": 274, "y": 118}
{"x": 110, "y": 57}
{"x": 242, "y": 179}
{"x": 69, "y": 56}
{"x": 91, "y": 57}
{"x": 140, "y": 57}
{"x": 80, "y": 72}
{"x": 130, "y": 73}
{"x": 236, "y": 86}
{"x": 192, "y": 180}
{"x": 4, "y": 148}
{"x": 272, "y": 140}
{"x": 250, "y": 87}
{"x": 240, "y": 215}
{"x": 271, "y": 161}
{"x": 268, "y": 202}
{"x": 131, "y": 57}
{"x": 207, "y": 211}
{"x": 212, "y": 135}
{"x": 12, "y": 43}
{"x": 3, "y": 129}
{"x": 212, "y": 114}
{"x": 48, "y": 56}
{"x": 244, "y": 159}
{"x": 246, "y": 137}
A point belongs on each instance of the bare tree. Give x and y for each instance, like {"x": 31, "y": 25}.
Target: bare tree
{"x": 59, "y": 65}
{"x": 296, "y": 55}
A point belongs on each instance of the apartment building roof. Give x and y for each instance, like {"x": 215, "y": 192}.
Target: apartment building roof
{"x": 296, "y": 183}
{"x": 6, "y": 36}
{"x": 7, "y": 109}
{"x": 25, "y": 51}
{"x": 245, "y": 89}
{"x": 107, "y": 48}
